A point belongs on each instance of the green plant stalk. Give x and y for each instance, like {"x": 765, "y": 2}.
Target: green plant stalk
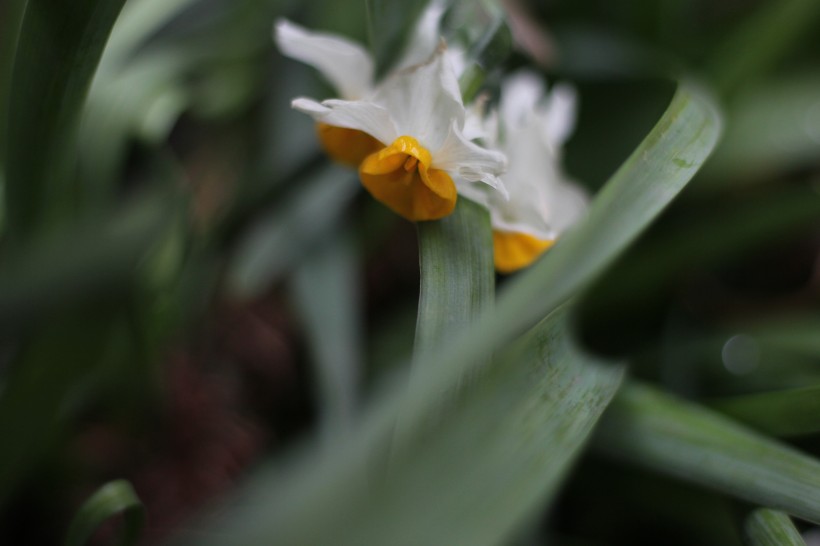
{"x": 765, "y": 527}
{"x": 457, "y": 277}
{"x": 648, "y": 428}
{"x": 116, "y": 497}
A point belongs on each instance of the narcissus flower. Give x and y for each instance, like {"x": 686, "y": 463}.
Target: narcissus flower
{"x": 530, "y": 128}
{"x": 418, "y": 118}
{"x": 349, "y": 68}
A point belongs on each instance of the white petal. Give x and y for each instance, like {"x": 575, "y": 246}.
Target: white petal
{"x": 520, "y": 94}
{"x": 468, "y": 161}
{"x": 560, "y": 114}
{"x": 568, "y": 204}
{"x": 542, "y": 202}
{"x": 423, "y": 101}
{"x": 345, "y": 64}
{"x": 531, "y": 175}
{"x": 425, "y": 37}
{"x": 478, "y": 124}
{"x": 457, "y": 58}
{"x": 358, "y": 114}
{"x": 479, "y": 193}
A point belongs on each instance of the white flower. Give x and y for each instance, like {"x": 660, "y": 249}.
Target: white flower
{"x": 418, "y": 118}
{"x": 542, "y": 202}
{"x": 347, "y": 65}
{"x": 349, "y": 68}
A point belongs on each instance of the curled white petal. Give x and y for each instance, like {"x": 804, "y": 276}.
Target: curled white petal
{"x": 470, "y": 162}
{"x": 362, "y": 115}
{"x": 344, "y": 63}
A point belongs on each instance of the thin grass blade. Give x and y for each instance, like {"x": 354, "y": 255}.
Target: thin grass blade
{"x": 649, "y": 428}
{"x": 784, "y": 413}
{"x": 766, "y": 527}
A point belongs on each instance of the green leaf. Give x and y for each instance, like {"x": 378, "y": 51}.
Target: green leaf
{"x": 761, "y": 41}
{"x": 649, "y": 179}
{"x": 646, "y": 427}
{"x": 84, "y": 260}
{"x": 11, "y": 15}
{"x": 279, "y": 239}
{"x": 788, "y": 412}
{"x": 766, "y": 527}
{"x": 59, "y": 48}
{"x": 326, "y": 291}
{"x": 719, "y": 236}
{"x": 775, "y": 126}
{"x": 113, "y": 498}
{"x": 493, "y": 456}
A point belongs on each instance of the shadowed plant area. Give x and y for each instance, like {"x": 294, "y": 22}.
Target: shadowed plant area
{"x": 366, "y": 273}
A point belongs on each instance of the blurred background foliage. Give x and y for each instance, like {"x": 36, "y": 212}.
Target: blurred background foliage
{"x": 187, "y": 287}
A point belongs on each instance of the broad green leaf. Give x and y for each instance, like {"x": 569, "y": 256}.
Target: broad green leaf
{"x": 788, "y": 412}
{"x": 658, "y": 169}
{"x": 457, "y": 277}
{"x": 646, "y": 427}
{"x": 493, "y": 456}
{"x": 58, "y": 51}
{"x": 113, "y": 498}
{"x": 766, "y": 527}
{"x": 326, "y": 291}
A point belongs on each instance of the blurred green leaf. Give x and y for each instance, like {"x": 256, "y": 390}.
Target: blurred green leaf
{"x": 766, "y": 527}
{"x": 113, "y": 498}
{"x": 664, "y": 162}
{"x": 11, "y": 15}
{"x": 646, "y": 427}
{"x": 58, "y": 51}
{"x": 789, "y": 412}
{"x": 720, "y": 236}
{"x": 280, "y": 238}
{"x": 775, "y": 125}
{"x": 389, "y": 23}
{"x": 86, "y": 260}
{"x": 494, "y": 455}
{"x": 325, "y": 287}
{"x": 761, "y": 41}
